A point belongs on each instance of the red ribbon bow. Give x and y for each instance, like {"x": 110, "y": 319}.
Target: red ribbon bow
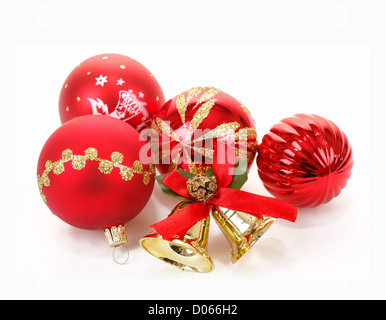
{"x": 234, "y": 199}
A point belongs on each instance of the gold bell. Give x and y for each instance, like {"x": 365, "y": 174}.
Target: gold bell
{"x": 187, "y": 253}
{"x": 242, "y": 230}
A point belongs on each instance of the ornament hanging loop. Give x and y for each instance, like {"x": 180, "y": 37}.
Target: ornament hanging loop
{"x": 116, "y": 238}
{"x": 119, "y": 260}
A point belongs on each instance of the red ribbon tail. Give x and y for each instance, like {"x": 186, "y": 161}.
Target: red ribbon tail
{"x": 254, "y": 204}
{"x": 181, "y": 221}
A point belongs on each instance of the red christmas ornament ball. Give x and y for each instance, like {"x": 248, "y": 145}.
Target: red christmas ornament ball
{"x": 190, "y": 124}
{"x": 305, "y": 160}
{"x": 90, "y": 173}
{"x": 114, "y": 85}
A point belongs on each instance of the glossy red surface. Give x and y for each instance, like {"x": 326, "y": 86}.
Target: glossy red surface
{"x": 114, "y": 85}
{"x": 305, "y": 160}
{"x": 204, "y": 116}
{"x": 86, "y": 197}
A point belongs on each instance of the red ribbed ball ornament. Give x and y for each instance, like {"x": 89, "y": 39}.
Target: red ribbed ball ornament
{"x": 305, "y": 160}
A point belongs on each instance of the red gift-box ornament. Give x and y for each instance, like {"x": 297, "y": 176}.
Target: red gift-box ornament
{"x": 224, "y": 196}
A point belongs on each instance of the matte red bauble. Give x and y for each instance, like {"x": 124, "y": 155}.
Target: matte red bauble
{"x": 114, "y": 85}
{"x": 305, "y": 160}
{"x": 190, "y": 124}
{"x": 91, "y": 176}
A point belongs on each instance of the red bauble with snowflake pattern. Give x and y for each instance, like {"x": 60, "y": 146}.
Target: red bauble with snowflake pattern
{"x": 114, "y": 85}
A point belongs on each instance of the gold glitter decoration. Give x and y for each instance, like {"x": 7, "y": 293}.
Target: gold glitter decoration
{"x": 222, "y": 131}
{"x": 117, "y": 157}
{"x": 78, "y": 162}
{"x": 137, "y": 166}
{"x": 66, "y": 154}
{"x": 200, "y": 115}
{"x": 182, "y": 103}
{"x": 165, "y": 128}
{"x": 208, "y": 94}
{"x": 154, "y": 126}
{"x": 246, "y": 134}
{"x": 204, "y": 151}
{"x": 146, "y": 178}
{"x": 48, "y": 165}
{"x": 245, "y": 109}
{"x": 43, "y": 197}
{"x": 58, "y": 167}
{"x": 204, "y": 104}
{"x": 105, "y": 166}
{"x": 91, "y": 153}
{"x": 194, "y": 92}
{"x": 127, "y": 173}
{"x": 46, "y": 180}
{"x": 173, "y": 166}
{"x": 201, "y": 169}
{"x": 192, "y": 167}
{"x": 151, "y": 168}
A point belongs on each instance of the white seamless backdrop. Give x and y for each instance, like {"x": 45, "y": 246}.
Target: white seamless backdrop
{"x": 325, "y": 254}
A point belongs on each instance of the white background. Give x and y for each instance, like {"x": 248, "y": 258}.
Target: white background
{"x": 279, "y": 58}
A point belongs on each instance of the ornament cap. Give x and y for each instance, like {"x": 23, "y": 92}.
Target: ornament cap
{"x": 116, "y": 235}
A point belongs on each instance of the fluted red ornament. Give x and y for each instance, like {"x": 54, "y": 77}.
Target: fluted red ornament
{"x": 305, "y": 160}
{"x": 113, "y": 85}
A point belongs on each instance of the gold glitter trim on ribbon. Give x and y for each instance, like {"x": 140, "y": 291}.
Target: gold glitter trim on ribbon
{"x": 105, "y": 166}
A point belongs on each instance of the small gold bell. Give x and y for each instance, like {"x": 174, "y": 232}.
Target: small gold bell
{"x": 242, "y": 230}
{"x": 187, "y": 253}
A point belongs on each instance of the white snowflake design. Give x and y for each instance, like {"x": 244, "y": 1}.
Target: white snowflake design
{"x": 128, "y": 106}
